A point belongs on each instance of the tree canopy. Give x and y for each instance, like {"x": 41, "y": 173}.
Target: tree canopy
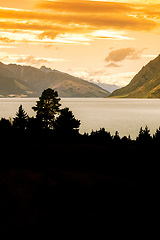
{"x": 66, "y": 124}
{"x": 47, "y": 107}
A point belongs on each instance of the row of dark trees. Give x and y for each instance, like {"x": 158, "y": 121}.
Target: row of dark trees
{"x": 48, "y": 116}
{"x": 54, "y": 124}
{"x": 50, "y": 120}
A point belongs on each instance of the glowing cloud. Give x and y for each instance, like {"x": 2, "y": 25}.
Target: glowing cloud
{"x": 91, "y": 18}
{"x": 123, "y": 53}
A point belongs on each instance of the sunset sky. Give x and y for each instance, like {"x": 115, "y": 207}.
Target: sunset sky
{"x": 105, "y": 41}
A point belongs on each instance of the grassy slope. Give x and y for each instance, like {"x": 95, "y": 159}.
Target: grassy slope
{"x": 11, "y": 86}
{"x": 145, "y": 84}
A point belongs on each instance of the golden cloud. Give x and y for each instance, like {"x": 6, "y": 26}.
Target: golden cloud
{"x": 85, "y": 6}
{"x": 56, "y": 18}
{"x": 124, "y": 53}
{"x": 97, "y": 20}
{"x": 6, "y": 40}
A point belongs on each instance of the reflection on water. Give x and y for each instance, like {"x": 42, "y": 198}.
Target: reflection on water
{"x": 124, "y": 115}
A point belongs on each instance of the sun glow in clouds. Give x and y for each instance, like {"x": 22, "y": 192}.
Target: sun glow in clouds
{"x": 110, "y": 34}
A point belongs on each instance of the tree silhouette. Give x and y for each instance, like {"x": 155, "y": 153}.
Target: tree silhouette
{"x": 101, "y": 136}
{"x": 156, "y": 136}
{"x": 47, "y": 107}
{"x": 116, "y": 137}
{"x": 66, "y": 124}
{"x": 20, "y": 121}
{"x": 144, "y": 135}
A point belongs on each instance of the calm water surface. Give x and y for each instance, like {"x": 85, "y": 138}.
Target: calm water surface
{"x": 123, "y": 115}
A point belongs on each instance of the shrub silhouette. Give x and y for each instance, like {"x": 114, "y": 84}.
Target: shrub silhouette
{"x": 5, "y": 126}
{"x": 101, "y": 136}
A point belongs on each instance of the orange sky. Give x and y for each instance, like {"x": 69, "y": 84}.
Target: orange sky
{"x": 96, "y": 40}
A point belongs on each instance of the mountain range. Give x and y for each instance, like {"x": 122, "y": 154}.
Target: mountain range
{"x": 27, "y": 81}
{"x": 145, "y": 84}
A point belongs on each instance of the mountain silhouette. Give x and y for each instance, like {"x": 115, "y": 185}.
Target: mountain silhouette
{"x": 17, "y": 80}
{"x": 145, "y": 84}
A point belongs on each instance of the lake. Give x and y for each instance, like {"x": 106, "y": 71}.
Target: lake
{"x": 123, "y": 115}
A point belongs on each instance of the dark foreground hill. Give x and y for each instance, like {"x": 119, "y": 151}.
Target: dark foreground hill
{"x": 77, "y": 191}
{"x": 145, "y": 84}
{"x": 17, "y": 80}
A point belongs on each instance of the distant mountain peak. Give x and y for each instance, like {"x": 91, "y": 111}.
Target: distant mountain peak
{"x": 46, "y": 69}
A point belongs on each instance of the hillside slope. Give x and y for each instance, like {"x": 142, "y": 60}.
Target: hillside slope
{"x": 30, "y": 82}
{"x": 145, "y": 84}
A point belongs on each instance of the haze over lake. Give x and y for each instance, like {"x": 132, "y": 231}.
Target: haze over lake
{"x": 123, "y": 115}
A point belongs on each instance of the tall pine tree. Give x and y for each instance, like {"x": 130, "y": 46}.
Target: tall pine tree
{"x": 21, "y": 119}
